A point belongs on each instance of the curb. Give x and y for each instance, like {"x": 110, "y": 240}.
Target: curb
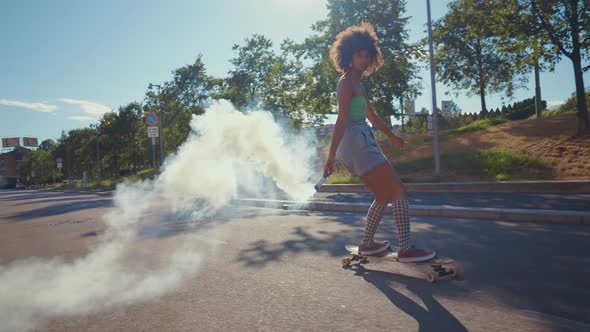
{"x": 517, "y": 215}
{"x": 84, "y": 192}
{"x": 530, "y": 187}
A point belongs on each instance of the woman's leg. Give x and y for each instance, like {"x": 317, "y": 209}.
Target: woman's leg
{"x": 387, "y": 186}
{"x": 383, "y": 194}
{"x": 385, "y": 183}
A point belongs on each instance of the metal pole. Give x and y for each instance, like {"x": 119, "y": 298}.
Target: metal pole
{"x": 161, "y": 140}
{"x": 403, "y": 109}
{"x": 97, "y": 157}
{"x": 154, "y": 153}
{"x": 433, "y": 87}
{"x": 161, "y": 132}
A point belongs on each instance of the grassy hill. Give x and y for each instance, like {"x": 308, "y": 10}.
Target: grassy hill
{"x": 495, "y": 149}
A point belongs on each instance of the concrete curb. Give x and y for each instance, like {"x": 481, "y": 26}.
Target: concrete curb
{"x": 530, "y": 187}
{"x": 79, "y": 191}
{"x": 517, "y": 215}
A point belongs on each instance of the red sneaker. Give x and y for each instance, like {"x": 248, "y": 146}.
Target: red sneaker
{"x": 415, "y": 255}
{"x": 373, "y": 248}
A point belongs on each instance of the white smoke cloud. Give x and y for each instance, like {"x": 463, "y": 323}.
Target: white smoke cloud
{"x": 231, "y": 153}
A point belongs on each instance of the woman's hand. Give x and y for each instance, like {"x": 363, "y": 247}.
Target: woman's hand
{"x": 396, "y": 141}
{"x": 329, "y": 165}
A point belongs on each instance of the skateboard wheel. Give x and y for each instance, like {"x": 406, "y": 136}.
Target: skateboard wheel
{"x": 346, "y": 261}
{"x": 431, "y": 277}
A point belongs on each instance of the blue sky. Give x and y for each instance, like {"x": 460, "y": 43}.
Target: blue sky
{"x": 64, "y": 63}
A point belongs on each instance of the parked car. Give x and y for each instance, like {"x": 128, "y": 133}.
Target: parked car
{"x": 20, "y": 185}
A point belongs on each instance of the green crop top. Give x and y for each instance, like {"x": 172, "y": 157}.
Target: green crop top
{"x": 358, "y": 107}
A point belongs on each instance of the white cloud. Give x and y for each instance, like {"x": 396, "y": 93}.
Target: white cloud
{"x": 553, "y": 104}
{"x": 40, "y": 107}
{"x": 88, "y": 106}
{"x": 81, "y": 118}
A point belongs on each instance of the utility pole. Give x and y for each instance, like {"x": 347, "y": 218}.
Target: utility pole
{"x": 151, "y": 86}
{"x": 433, "y": 87}
{"x": 97, "y": 155}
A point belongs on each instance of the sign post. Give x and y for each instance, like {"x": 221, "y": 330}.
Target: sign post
{"x": 85, "y": 179}
{"x": 152, "y": 121}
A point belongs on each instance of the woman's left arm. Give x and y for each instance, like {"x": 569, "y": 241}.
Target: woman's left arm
{"x": 379, "y": 124}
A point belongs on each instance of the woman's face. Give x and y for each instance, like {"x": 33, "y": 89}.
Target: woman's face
{"x": 360, "y": 60}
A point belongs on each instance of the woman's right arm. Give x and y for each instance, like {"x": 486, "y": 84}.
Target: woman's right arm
{"x": 344, "y": 94}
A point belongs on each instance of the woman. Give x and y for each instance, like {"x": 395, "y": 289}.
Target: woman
{"x": 355, "y": 53}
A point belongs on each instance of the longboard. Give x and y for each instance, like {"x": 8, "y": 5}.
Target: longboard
{"x": 432, "y": 270}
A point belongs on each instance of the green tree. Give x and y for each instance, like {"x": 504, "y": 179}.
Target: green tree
{"x": 178, "y": 100}
{"x": 467, "y": 54}
{"x": 253, "y": 65}
{"x": 77, "y": 150}
{"x": 47, "y": 145}
{"x": 394, "y": 81}
{"x": 533, "y": 50}
{"x": 122, "y": 139}
{"x": 42, "y": 161}
{"x": 566, "y": 24}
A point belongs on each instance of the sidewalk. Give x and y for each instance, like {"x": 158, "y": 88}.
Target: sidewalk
{"x": 493, "y": 214}
{"x": 545, "y": 187}
{"x": 563, "y": 208}
{"x": 574, "y": 202}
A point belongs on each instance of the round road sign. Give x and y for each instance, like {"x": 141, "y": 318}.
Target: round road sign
{"x": 152, "y": 120}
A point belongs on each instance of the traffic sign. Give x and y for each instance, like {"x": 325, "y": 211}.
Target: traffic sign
{"x": 152, "y": 120}
{"x": 429, "y": 118}
{"x": 153, "y": 132}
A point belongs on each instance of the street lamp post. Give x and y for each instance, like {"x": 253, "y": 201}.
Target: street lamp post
{"x": 433, "y": 87}
{"x": 151, "y": 86}
{"x": 97, "y": 152}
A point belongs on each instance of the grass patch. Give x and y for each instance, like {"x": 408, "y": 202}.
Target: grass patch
{"x": 107, "y": 183}
{"x": 555, "y": 112}
{"x": 431, "y": 179}
{"x": 570, "y": 106}
{"x": 495, "y": 164}
{"x": 342, "y": 179}
{"x": 480, "y": 124}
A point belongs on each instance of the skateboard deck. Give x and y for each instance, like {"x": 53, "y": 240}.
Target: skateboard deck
{"x": 432, "y": 270}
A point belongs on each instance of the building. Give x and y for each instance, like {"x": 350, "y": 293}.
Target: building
{"x": 10, "y": 161}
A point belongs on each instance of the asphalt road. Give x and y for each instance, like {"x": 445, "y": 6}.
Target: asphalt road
{"x": 574, "y": 202}
{"x": 276, "y": 270}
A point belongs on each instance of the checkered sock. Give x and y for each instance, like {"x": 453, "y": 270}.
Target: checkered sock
{"x": 374, "y": 216}
{"x": 401, "y": 216}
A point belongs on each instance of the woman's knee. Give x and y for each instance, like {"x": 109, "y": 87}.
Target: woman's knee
{"x": 383, "y": 198}
{"x": 398, "y": 189}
